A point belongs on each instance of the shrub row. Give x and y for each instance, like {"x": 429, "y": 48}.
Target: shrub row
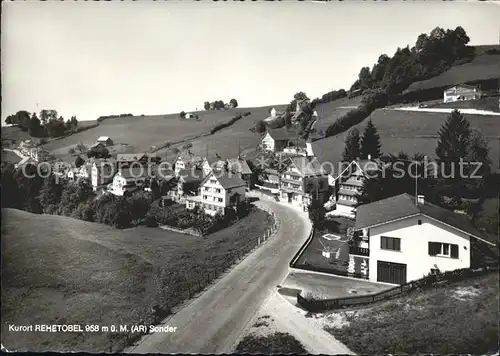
{"x": 225, "y": 124}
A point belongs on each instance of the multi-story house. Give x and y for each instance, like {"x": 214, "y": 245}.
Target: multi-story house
{"x": 302, "y": 180}
{"x": 188, "y": 182}
{"x": 218, "y": 192}
{"x": 461, "y": 92}
{"x": 128, "y": 180}
{"x": 349, "y": 182}
{"x": 404, "y": 238}
{"x": 185, "y": 160}
{"x": 103, "y": 171}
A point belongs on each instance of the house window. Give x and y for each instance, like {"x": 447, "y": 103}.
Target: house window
{"x": 420, "y": 222}
{"x": 217, "y": 190}
{"x": 443, "y": 249}
{"x": 390, "y": 243}
{"x": 207, "y": 189}
{"x": 205, "y": 197}
{"x": 213, "y": 181}
{"x": 219, "y": 200}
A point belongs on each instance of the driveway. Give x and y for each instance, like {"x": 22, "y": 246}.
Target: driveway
{"x": 214, "y": 322}
{"x": 330, "y": 286}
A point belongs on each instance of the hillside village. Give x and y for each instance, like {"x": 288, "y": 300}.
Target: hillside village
{"x": 337, "y": 180}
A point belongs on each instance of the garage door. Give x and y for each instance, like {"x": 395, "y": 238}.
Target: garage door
{"x": 390, "y": 272}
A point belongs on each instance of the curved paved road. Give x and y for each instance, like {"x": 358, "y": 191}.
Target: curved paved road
{"x": 214, "y": 322}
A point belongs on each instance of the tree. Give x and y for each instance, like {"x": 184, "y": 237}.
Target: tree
{"x": 300, "y": 96}
{"x": 182, "y": 114}
{"x": 317, "y": 213}
{"x": 50, "y": 195}
{"x": 35, "y": 128}
{"x": 206, "y": 105}
{"x": 80, "y": 147}
{"x": 370, "y": 142}
{"x": 454, "y": 140}
{"x": 352, "y": 149}
{"x": 71, "y": 151}
{"x": 260, "y": 126}
{"x": 79, "y": 161}
{"x": 233, "y": 103}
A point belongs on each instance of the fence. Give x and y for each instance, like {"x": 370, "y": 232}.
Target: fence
{"x": 316, "y": 305}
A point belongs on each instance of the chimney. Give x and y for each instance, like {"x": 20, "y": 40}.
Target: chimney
{"x": 420, "y": 199}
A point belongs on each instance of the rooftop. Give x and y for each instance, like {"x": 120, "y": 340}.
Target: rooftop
{"x": 402, "y": 206}
{"x": 283, "y": 134}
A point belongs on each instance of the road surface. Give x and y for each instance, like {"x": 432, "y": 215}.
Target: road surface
{"x": 214, "y": 322}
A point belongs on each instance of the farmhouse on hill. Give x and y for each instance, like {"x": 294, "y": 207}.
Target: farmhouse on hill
{"x": 218, "y": 192}
{"x": 403, "y": 238}
{"x": 461, "y": 92}
{"x": 105, "y": 140}
{"x": 276, "y": 140}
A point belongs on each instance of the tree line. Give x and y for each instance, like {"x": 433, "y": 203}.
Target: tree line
{"x": 219, "y": 104}
{"x": 39, "y": 195}
{"x": 47, "y": 124}
{"x": 446, "y": 187}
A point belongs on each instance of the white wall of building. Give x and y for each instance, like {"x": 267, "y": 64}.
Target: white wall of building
{"x": 414, "y": 246}
{"x": 268, "y": 143}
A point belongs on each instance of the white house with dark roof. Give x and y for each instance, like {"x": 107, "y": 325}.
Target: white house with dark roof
{"x": 403, "y": 238}
{"x": 303, "y": 179}
{"x": 102, "y": 172}
{"x": 128, "y": 180}
{"x": 218, "y": 192}
{"x": 105, "y": 140}
{"x": 275, "y": 140}
{"x": 461, "y": 92}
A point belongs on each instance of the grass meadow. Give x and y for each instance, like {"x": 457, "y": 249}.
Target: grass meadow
{"x": 454, "y": 318}
{"x": 58, "y": 270}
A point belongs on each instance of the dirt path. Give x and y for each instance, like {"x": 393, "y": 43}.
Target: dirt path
{"x": 290, "y": 319}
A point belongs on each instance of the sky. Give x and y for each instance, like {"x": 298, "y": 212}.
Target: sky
{"x": 97, "y": 58}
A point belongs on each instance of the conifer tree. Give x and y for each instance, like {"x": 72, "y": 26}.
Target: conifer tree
{"x": 351, "y": 150}
{"x": 370, "y": 142}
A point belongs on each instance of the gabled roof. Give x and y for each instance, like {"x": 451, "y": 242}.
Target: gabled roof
{"x": 190, "y": 175}
{"x": 307, "y": 166}
{"x": 131, "y": 173}
{"x": 96, "y": 144}
{"x": 103, "y": 138}
{"x": 228, "y": 180}
{"x": 403, "y": 206}
{"x": 239, "y": 165}
{"x": 283, "y": 134}
{"x": 461, "y": 86}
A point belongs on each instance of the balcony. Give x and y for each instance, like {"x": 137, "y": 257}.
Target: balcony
{"x": 360, "y": 251}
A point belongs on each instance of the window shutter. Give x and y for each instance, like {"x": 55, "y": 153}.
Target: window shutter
{"x": 454, "y": 251}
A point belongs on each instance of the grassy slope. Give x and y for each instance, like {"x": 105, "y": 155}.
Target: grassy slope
{"x": 58, "y": 270}
{"x": 412, "y": 132}
{"x": 484, "y": 66}
{"x": 225, "y": 142}
{"x": 11, "y": 157}
{"x": 142, "y": 132}
{"x": 438, "y": 321}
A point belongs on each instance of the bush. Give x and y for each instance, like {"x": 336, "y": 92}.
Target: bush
{"x": 260, "y": 126}
{"x": 225, "y": 124}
